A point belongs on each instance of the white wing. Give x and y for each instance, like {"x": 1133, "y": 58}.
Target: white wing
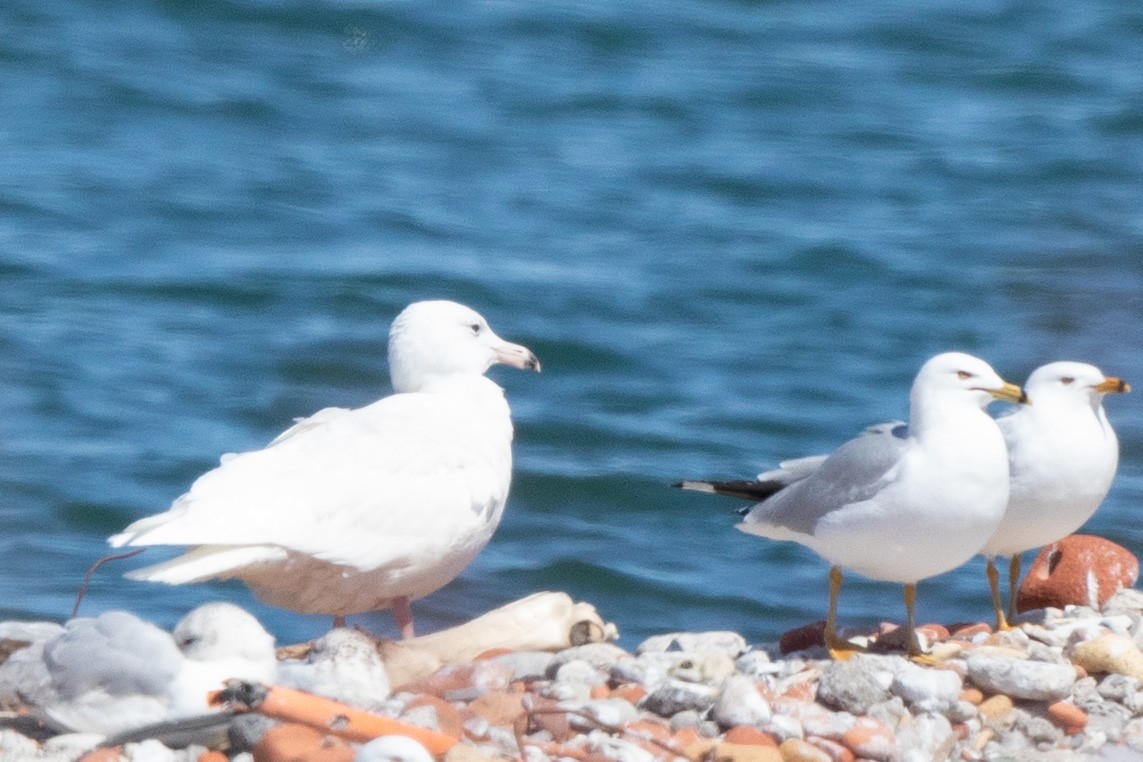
{"x": 357, "y": 487}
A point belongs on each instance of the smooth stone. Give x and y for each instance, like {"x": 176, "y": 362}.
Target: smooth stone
{"x": 676, "y": 695}
{"x": 1110, "y": 653}
{"x": 870, "y": 739}
{"x": 1067, "y": 716}
{"x": 1021, "y": 678}
{"x": 783, "y": 728}
{"x": 1079, "y": 569}
{"x": 498, "y": 707}
{"x": 757, "y": 664}
{"x": 736, "y": 752}
{"x": 925, "y": 737}
{"x": 855, "y": 684}
{"x": 650, "y": 673}
{"x": 579, "y": 672}
{"x": 613, "y": 712}
{"x": 1040, "y": 731}
{"x": 798, "y": 750}
{"x": 927, "y": 690}
{"x": 815, "y": 720}
{"x": 739, "y": 703}
{"x": 688, "y": 718}
{"x": 1116, "y": 687}
{"x": 723, "y": 641}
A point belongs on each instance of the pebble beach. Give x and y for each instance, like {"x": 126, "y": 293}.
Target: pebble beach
{"x": 1066, "y": 683}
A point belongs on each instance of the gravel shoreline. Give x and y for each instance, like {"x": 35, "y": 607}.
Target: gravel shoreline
{"x": 1066, "y": 684}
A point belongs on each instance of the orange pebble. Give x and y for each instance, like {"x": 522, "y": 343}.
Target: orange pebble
{"x": 934, "y": 632}
{"x": 750, "y": 735}
{"x": 965, "y": 632}
{"x": 106, "y": 754}
{"x": 212, "y": 756}
{"x": 600, "y": 691}
{"x": 448, "y": 717}
{"x": 972, "y": 696}
{"x": 632, "y": 693}
{"x": 291, "y": 742}
{"x": 836, "y": 752}
{"x": 1067, "y": 716}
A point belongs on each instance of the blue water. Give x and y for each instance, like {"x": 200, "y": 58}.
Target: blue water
{"x": 731, "y": 230}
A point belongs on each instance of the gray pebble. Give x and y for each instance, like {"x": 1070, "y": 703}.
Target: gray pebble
{"x": 854, "y": 685}
{"x": 709, "y": 729}
{"x": 579, "y": 671}
{"x": 927, "y": 737}
{"x": 1107, "y": 717}
{"x": 675, "y": 695}
{"x": 1020, "y": 678}
{"x": 614, "y": 712}
{"x": 651, "y": 673}
{"x": 783, "y": 727}
{"x": 757, "y": 664}
{"x": 927, "y": 690}
{"x": 1039, "y": 730}
{"x": 703, "y": 667}
{"x": 739, "y": 703}
{"x": 688, "y": 718}
{"x": 1118, "y": 687}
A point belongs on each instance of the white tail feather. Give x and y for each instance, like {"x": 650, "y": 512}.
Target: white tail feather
{"x": 208, "y": 562}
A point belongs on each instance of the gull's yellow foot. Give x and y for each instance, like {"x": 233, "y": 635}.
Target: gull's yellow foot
{"x": 839, "y": 648}
{"x": 997, "y": 604}
{"x": 913, "y": 648}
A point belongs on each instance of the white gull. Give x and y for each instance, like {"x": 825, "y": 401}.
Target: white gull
{"x": 1062, "y": 455}
{"x": 900, "y": 503}
{"x": 115, "y": 672}
{"x": 355, "y": 510}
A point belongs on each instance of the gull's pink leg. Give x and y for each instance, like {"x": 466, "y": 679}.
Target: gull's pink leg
{"x": 404, "y": 616}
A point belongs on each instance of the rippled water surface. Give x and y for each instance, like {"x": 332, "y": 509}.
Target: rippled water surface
{"x": 732, "y": 231}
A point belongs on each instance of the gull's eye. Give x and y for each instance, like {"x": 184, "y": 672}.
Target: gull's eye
{"x": 963, "y": 375}
{"x": 475, "y": 329}
{"x": 1067, "y": 380}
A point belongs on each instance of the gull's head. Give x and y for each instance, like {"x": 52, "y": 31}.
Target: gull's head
{"x": 955, "y": 375}
{"x": 1072, "y": 384}
{"x": 221, "y": 631}
{"x": 436, "y": 339}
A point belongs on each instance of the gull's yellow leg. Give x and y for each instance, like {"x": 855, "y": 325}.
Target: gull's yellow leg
{"x": 1013, "y": 585}
{"x": 838, "y": 648}
{"x": 997, "y": 604}
{"x": 913, "y": 649}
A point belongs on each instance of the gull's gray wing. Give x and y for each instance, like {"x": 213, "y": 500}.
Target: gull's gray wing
{"x": 854, "y": 472}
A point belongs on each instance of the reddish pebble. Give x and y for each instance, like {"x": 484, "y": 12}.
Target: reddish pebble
{"x": 498, "y": 707}
{"x": 968, "y": 631}
{"x": 298, "y": 743}
{"x": 870, "y": 738}
{"x": 649, "y": 728}
{"x": 1068, "y": 716}
{"x": 212, "y": 756}
{"x": 107, "y": 754}
{"x": 449, "y": 720}
{"x": 482, "y": 675}
{"x": 836, "y": 752}
{"x": 632, "y": 693}
{"x": 556, "y": 723}
{"x": 1080, "y": 569}
{"x": 600, "y": 691}
{"x": 934, "y": 632}
{"x": 800, "y": 638}
{"x": 803, "y": 691}
{"x": 748, "y": 734}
